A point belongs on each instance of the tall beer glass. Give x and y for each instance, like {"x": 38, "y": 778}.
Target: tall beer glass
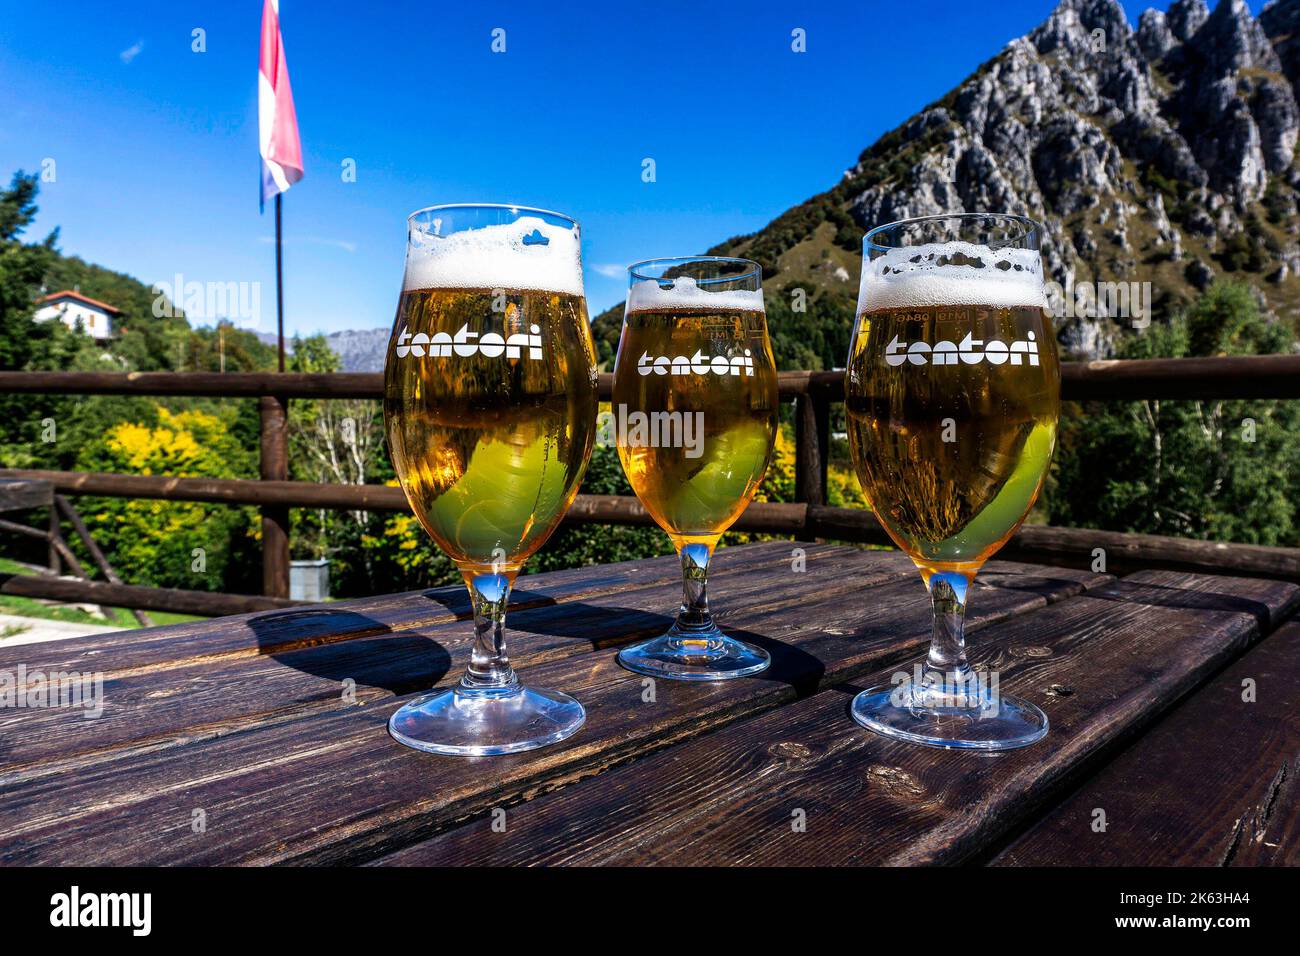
{"x": 490, "y": 413}
{"x": 695, "y": 408}
{"x": 952, "y": 398}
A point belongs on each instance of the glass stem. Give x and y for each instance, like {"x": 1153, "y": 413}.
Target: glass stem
{"x": 946, "y": 667}
{"x": 489, "y": 664}
{"x": 694, "y": 614}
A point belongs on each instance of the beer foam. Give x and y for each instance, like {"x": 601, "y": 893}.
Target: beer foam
{"x": 926, "y": 275}
{"x": 647, "y": 295}
{"x": 508, "y": 256}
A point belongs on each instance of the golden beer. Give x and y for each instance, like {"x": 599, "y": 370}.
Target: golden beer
{"x": 709, "y": 376}
{"x": 490, "y": 410}
{"x": 952, "y": 445}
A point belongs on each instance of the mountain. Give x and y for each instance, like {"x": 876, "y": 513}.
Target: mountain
{"x": 1165, "y": 153}
{"x": 359, "y": 350}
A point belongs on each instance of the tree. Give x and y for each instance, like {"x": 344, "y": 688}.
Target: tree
{"x": 1225, "y": 470}
{"x": 173, "y": 543}
{"x": 334, "y": 441}
{"x": 22, "y": 267}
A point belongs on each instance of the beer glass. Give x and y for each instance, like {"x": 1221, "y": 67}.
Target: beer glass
{"x": 952, "y": 398}
{"x": 695, "y": 413}
{"x": 490, "y": 415}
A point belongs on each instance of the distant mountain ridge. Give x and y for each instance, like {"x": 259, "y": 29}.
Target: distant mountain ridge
{"x": 1164, "y": 153}
{"x": 359, "y": 350}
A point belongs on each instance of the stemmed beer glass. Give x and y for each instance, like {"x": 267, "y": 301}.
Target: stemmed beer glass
{"x": 695, "y": 408}
{"x": 952, "y": 398}
{"x": 490, "y": 414}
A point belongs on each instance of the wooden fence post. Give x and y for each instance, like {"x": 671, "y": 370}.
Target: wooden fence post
{"x": 812, "y": 435}
{"x": 53, "y": 535}
{"x": 275, "y": 518}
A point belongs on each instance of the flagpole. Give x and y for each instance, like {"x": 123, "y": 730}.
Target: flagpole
{"x": 279, "y": 285}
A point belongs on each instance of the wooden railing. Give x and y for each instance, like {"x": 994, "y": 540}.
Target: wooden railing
{"x": 1245, "y": 377}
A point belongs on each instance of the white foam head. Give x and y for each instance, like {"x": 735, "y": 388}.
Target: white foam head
{"x": 952, "y": 273}
{"x": 647, "y": 295}
{"x": 512, "y": 255}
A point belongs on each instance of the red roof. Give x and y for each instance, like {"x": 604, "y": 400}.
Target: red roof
{"x": 73, "y": 294}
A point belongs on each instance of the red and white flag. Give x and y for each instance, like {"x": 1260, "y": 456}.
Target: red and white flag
{"x": 277, "y": 124}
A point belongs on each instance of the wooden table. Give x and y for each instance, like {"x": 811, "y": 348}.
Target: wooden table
{"x": 261, "y": 738}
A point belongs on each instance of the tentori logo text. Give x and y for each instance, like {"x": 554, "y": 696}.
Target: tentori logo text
{"x": 697, "y": 364}
{"x": 970, "y": 351}
{"x": 489, "y": 345}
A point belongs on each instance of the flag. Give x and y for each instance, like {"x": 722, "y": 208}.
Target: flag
{"x": 277, "y": 124}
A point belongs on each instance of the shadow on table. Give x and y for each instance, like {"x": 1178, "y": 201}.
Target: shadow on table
{"x": 340, "y": 645}
{"x": 601, "y": 626}
{"x": 1037, "y": 583}
{"x": 1170, "y": 596}
{"x": 791, "y": 665}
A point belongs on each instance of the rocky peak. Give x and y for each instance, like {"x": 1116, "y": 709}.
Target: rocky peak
{"x": 1154, "y": 38}
{"x": 1185, "y": 17}
{"x": 1281, "y": 23}
{"x": 1232, "y": 40}
{"x": 1162, "y": 154}
{"x": 1078, "y": 25}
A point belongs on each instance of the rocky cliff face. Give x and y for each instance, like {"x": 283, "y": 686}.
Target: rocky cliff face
{"x": 1164, "y": 153}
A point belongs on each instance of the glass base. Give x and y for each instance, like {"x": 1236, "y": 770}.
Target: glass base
{"x": 707, "y": 654}
{"x": 479, "y": 722}
{"x": 997, "y": 723}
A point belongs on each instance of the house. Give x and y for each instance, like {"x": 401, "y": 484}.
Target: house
{"x": 70, "y": 305}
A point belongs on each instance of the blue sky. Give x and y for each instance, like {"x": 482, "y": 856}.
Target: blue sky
{"x": 155, "y": 146}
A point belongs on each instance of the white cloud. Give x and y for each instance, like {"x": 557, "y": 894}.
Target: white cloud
{"x": 610, "y": 270}
{"x": 131, "y": 52}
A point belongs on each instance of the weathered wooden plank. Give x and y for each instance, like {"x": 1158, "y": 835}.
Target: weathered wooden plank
{"x": 19, "y": 494}
{"x": 1216, "y": 783}
{"x": 247, "y": 635}
{"x": 334, "y": 787}
{"x": 1101, "y": 665}
{"x": 152, "y": 706}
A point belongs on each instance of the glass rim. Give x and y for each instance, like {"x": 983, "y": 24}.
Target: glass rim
{"x": 514, "y": 207}
{"x": 754, "y": 268}
{"x": 1031, "y": 227}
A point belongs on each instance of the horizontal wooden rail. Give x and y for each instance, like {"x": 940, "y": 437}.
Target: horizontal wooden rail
{"x": 1237, "y": 376}
{"x": 210, "y": 384}
{"x": 1043, "y": 543}
{"x": 135, "y": 597}
{"x": 762, "y": 516}
{"x": 1234, "y": 376}
{"x": 288, "y": 384}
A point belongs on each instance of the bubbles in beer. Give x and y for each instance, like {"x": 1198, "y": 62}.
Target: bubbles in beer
{"x": 690, "y": 352}
{"x": 952, "y": 397}
{"x": 490, "y": 386}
